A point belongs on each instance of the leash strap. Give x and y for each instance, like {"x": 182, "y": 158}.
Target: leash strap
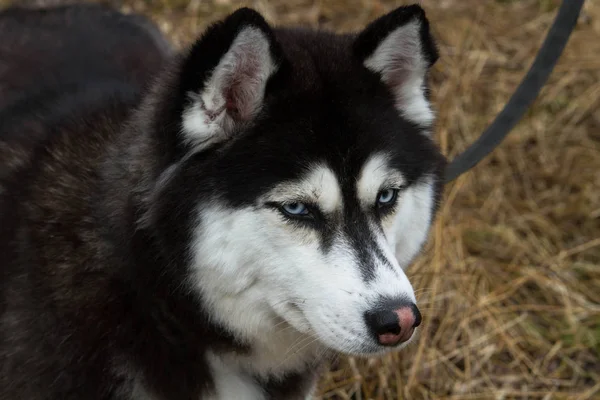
{"x": 526, "y": 93}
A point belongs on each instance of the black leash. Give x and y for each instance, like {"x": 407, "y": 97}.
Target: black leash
{"x": 526, "y": 93}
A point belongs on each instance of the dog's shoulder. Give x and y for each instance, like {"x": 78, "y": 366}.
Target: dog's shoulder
{"x": 69, "y": 78}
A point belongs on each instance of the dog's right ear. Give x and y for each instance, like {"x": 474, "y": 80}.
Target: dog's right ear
{"x": 222, "y": 80}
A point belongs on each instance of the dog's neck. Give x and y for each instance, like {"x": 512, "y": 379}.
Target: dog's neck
{"x": 252, "y": 376}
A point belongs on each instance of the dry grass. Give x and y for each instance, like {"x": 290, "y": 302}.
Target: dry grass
{"x": 510, "y": 282}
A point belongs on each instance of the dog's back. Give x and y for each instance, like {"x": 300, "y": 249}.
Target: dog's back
{"x": 64, "y": 70}
{"x": 63, "y": 48}
{"x": 57, "y": 62}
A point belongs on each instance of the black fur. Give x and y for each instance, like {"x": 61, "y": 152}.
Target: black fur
{"x": 367, "y": 41}
{"x": 94, "y": 231}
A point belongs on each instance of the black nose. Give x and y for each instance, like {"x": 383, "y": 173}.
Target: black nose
{"x": 395, "y": 325}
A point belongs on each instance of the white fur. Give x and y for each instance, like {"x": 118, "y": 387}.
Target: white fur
{"x": 319, "y": 186}
{"x": 400, "y": 60}
{"x": 407, "y": 229}
{"x": 269, "y": 282}
{"x": 412, "y": 221}
{"x": 246, "y": 67}
{"x": 375, "y": 176}
{"x": 232, "y": 383}
{"x": 239, "y": 276}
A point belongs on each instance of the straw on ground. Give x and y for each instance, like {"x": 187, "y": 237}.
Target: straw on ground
{"x": 509, "y": 285}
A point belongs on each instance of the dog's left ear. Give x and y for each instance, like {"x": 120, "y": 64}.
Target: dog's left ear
{"x": 400, "y": 48}
{"x": 223, "y": 78}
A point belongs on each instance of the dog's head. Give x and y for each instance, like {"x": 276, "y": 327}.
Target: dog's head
{"x": 299, "y": 177}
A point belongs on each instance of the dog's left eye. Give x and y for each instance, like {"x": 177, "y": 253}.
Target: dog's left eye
{"x": 295, "y": 209}
{"x": 387, "y": 197}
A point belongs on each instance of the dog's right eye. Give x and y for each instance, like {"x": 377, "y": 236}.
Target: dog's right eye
{"x": 295, "y": 209}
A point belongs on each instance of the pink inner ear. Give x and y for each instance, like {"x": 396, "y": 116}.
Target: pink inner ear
{"x": 243, "y": 87}
{"x": 231, "y": 106}
{"x": 397, "y": 74}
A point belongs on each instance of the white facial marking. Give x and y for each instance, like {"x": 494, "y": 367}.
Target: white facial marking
{"x": 376, "y": 176}
{"x": 238, "y": 81}
{"x": 408, "y": 228}
{"x": 400, "y": 60}
{"x": 274, "y": 285}
{"x": 413, "y": 220}
{"x": 320, "y": 186}
{"x": 238, "y": 270}
{"x": 231, "y": 383}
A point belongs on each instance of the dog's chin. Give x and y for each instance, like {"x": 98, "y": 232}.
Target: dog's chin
{"x": 366, "y": 348}
{"x": 373, "y": 350}
{"x": 369, "y": 350}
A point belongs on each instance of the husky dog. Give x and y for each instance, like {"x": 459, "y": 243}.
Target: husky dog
{"x": 212, "y": 224}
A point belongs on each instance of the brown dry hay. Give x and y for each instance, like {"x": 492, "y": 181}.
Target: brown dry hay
{"x": 510, "y": 282}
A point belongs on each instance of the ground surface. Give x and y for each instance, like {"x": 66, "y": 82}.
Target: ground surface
{"x": 510, "y": 283}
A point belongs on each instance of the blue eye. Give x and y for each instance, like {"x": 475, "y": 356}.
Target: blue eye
{"x": 295, "y": 209}
{"x": 387, "y": 197}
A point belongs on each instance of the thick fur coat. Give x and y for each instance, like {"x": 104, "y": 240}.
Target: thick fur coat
{"x": 212, "y": 224}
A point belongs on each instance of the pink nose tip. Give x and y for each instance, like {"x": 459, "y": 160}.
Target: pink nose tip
{"x": 404, "y": 330}
{"x": 393, "y": 327}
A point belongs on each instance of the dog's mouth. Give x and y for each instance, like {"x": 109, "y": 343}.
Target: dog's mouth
{"x": 292, "y": 313}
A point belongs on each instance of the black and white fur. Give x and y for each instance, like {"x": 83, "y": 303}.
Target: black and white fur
{"x": 216, "y": 224}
